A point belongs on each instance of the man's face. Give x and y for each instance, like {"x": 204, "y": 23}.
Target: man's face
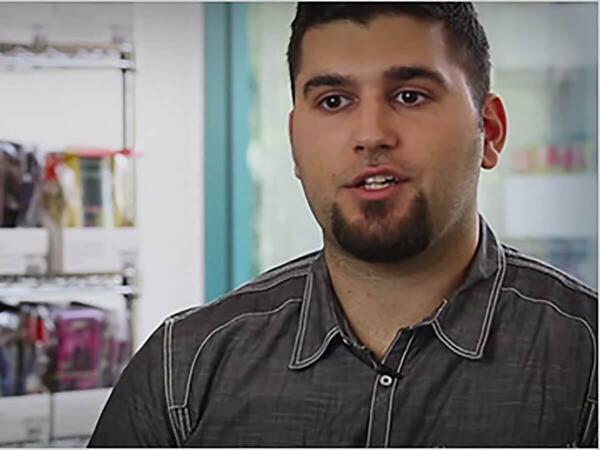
{"x": 385, "y": 135}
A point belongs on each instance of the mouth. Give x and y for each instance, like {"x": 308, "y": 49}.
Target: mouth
{"x": 377, "y": 179}
{"x": 377, "y": 183}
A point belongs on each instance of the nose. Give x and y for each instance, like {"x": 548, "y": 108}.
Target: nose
{"x": 374, "y": 129}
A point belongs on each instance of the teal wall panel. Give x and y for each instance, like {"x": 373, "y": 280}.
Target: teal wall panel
{"x": 227, "y": 188}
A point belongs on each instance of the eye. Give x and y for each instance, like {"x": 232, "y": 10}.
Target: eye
{"x": 410, "y": 98}
{"x": 334, "y": 102}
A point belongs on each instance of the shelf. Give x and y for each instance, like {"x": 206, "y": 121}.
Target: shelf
{"x": 42, "y": 62}
{"x": 44, "y": 56}
{"x": 25, "y": 286}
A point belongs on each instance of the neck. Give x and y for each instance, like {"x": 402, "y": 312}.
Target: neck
{"x": 378, "y": 299}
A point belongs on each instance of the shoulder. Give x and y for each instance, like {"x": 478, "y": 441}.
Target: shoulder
{"x": 557, "y": 311}
{"x": 266, "y": 292}
{"x": 275, "y": 292}
{"x": 532, "y": 280}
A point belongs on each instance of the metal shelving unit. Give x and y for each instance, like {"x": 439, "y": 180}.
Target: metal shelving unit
{"x": 45, "y": 419}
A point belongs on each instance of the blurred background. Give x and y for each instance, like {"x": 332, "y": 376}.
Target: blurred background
{"x": 145, "y": 168}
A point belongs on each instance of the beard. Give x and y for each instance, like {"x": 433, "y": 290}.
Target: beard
{"x": 373, "y": 240}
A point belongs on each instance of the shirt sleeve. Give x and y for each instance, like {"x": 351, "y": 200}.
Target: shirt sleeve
{"x": 135, "y": 414}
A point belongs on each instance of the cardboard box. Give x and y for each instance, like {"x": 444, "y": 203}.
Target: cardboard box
{"x": 25, "y": 420}
{"x": 92, "y": 250}
{"x": 75, "y": 413}
{"x": 23, "y": 251}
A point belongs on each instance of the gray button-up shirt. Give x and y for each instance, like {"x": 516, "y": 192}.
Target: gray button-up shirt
{"x": 509, "y": 360}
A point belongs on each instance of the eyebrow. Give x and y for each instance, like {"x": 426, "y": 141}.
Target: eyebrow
{"x": 407, "y": 73}
{"x": 396, "y": 73}
{"x": 329, "y": 80}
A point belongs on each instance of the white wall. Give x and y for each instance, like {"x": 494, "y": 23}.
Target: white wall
{"x": 169, "y": 114}
{"x": 563, "y": 34}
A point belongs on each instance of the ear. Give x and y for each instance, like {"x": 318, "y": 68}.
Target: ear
{"x": 290, "y": 135}
{"x": 494, "y": 129}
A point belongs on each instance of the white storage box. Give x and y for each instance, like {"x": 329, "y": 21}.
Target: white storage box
{"x": 25, "y": 419}
{"x": 92, "y": 250}
{"x": 23, "y": 251}
{"x": 75, "y": 413}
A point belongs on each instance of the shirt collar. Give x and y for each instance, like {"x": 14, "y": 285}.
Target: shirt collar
{"x": 318, "y": 323}
{"x": 462, "y": 323}
{"x": 464, "y": 320}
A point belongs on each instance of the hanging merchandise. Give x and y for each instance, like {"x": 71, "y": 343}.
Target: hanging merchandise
{"x": 9, "y": 337}
{"x": 87, "y": 187}
{"x": 19, "y": 185}
{"x": 54, "y": 348}
{"x": 36, "y": 326}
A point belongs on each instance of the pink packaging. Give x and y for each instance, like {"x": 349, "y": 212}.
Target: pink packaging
{"x": 79, "y": 348}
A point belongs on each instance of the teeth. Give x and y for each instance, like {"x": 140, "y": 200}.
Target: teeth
{"x": 378, "y": 182}
{"x": 375, "y": 187}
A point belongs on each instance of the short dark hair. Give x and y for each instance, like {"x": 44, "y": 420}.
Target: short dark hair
{"x": 467, "y": 38}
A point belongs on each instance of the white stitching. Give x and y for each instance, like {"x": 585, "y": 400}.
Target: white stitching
{"x": 256, "y": 285}
{"x": 589, "y": 423}
{"x": 170, "y": 360}
{"x": 370, "y": 427}
{"x": 561, "y": 312}
{"x": 487, "y": 320}
{"x": 188, "y": 421}
{"x": 269, "y": 284}
{"x": 299, "y": 268}
{"x": 489, "y": 315}
{"x": 167, "y": 379}
{"x": 182, "y": 425}
{"x": 307, "y": 362}
{"x": 393, "y": 390}
{"x": 385, "y": 356}
{"x": 165, "y": 365}
{"x": 521, "y": 260}
{"x": 308, "y": 260}
{"x": 303, "y": 319}
{"x": 220, "y": 328}
{"x": 183, "y": 314}
{"x": 245, "y": 289}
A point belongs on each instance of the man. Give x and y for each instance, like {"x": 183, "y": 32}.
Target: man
{"x": 413, "y": 326}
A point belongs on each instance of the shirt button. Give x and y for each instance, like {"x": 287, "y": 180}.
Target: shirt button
{"x": 386, "y": 381}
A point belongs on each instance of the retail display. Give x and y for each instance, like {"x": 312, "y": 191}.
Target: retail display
{"x": 575, "y": 156}
{"x": 61, "y": 347}
{"x": 53, "y": 348}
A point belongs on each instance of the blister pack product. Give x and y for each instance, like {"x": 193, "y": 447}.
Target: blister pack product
{"x": 88, "y": 187}
{"x": 79, "y": 339}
